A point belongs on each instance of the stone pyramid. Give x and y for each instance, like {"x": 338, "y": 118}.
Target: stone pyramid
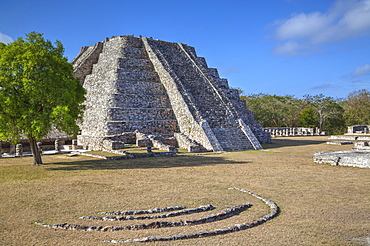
{"x": 162, "y": 92}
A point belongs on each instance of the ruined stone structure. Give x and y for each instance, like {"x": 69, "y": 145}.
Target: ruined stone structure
{"x": 160, "y": 89}
{"x": 362, "y": 129}
{"x": 293, "y": 131}
{"x": 351, "y": 158}
{"x": 359, "y": 156}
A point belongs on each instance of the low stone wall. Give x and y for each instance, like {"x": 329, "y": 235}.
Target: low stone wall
{"x": 362, "y": 145}
{"x": 157, "y": 143}
{"x": 350, "y": 158}
{"x": 351, "y": 137}
{"x": 292, "y": 131}
{"x": 343, "y": 137}
{"x": 339, "y": 142}
{"x": 93, "y": 142}
{"x": 362, "y": 129}
{"x": 185, "y": 142}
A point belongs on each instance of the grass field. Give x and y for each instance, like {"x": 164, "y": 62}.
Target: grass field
{"x": 320, "y": 204}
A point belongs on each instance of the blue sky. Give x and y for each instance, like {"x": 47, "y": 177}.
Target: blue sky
{"x": 282, "y": 47}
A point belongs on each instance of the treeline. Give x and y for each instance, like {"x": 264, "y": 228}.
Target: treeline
{"x": 326, "y": 113}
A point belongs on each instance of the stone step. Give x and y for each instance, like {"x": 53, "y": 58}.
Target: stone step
{"x": 140, "y": 101}
{"x": 132, "y": 63}
{"x": 232, "y": 139}
{"x": 136, "y": 74}
{"x": 133, "y": 52}
{"x": 143, "y": 126}
{"x": 125, "y": 114}
{"x": 140, "y": 87}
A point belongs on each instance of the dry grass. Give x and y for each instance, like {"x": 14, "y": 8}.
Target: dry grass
{"x": 320, "y": 204}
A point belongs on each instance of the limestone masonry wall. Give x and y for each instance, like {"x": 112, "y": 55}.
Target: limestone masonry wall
{"x": 160, "y": 88}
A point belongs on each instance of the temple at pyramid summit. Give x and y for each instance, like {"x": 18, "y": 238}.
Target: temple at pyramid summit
{"x": 160, "y": 94}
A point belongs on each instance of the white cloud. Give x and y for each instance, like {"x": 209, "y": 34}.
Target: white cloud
{"x": 292, "y": 48}
{"x": 5, "y": 38}
{"x": 346, "y": 20}
{"x": 363, "y": 70}
{"x": 301, "y": 26}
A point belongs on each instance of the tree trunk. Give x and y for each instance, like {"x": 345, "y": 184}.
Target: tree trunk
{"x": 321, "y": 121}
{"x": 35, "y": 152}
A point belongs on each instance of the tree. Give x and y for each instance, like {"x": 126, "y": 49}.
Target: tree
{"x": 357, "y": 108}
{"x": 326, "y": 110}
{"x": 273, "y": 110}
{"x": 308, "y": 117}
{"x": 37, "y": 91}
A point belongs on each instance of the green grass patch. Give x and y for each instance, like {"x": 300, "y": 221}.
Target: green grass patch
{"x": 10, "y": 175}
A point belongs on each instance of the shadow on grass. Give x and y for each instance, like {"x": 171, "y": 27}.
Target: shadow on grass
{"x": 141, "y": 163}
{"x": 281, "y": 142}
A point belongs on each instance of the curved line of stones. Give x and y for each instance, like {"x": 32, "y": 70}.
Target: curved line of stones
{"x": 226, "y": 213}
{"x": 172, "y": 214}
{"x": 149, "y": 211}
{"x": 274, "y": 211}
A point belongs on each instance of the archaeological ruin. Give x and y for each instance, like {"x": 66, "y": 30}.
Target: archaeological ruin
{"x": 293, "y": 131}
{"x": 159, "y": 94}
{"x": 359, "y": 156}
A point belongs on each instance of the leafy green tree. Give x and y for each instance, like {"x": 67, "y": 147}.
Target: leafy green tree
{"x": 37, "y": 91}
{"x": 292, "y": 108}
{"x": 308, "y": 117}
{"x": 357, "y": 108}
{"x": 273, "y": 110}
{"x": 325, "y": 109}
{"x": 336, "y": 124}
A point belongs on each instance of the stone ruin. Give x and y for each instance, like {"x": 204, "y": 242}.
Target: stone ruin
{"x": 352, "y": 158}
{"x": 54, "y": 141}
{"x": 157, "y": 93}
{"x": 293, "y": 131}
{"x": 359, "y": 156}
{"x": 358, "y": 135}
{"x": 361, "y": 129}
